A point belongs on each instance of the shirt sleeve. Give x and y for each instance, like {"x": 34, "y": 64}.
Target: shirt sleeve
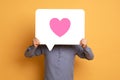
{"x": 84, "y": 52}
{"x": 33, "y": 51}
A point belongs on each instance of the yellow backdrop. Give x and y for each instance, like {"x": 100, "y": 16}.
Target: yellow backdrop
{"x": 17, "y": 26}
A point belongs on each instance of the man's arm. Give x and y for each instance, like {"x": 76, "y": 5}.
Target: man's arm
{"x": 34, "y": 50}
{"x": 84, "y": 52}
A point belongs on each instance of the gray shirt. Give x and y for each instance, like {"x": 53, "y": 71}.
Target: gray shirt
{"x": 59, "y": 62}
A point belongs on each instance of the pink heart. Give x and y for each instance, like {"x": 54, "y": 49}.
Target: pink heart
{"x": 59, "y": 27}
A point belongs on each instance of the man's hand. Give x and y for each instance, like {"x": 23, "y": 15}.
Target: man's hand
{"x": 83, "y": 43}
{"x": 36, "y": 42}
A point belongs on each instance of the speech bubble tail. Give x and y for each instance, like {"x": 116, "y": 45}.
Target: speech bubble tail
{"x": 50, "y": 46}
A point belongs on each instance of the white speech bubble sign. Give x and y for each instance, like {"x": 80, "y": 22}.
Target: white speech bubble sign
{"x": 59, "y": 26}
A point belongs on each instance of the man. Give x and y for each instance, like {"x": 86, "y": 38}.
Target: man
{"x": 59, "y": 61}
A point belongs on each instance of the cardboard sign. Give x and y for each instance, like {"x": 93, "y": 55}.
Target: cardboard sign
{"x": 59, "y": 26}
